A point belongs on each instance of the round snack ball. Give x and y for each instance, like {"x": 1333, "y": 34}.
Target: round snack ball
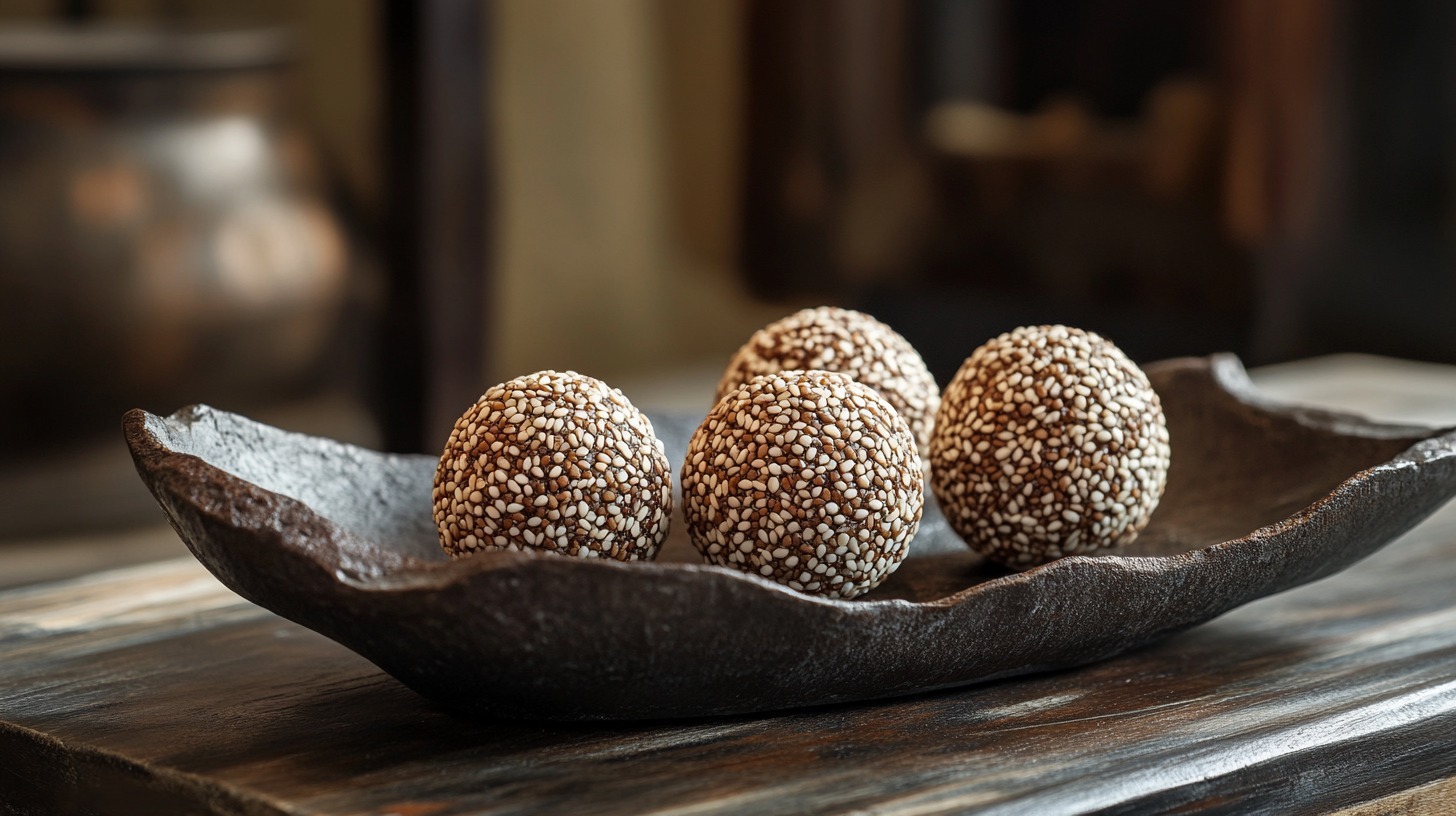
{"x": 853, "y": 343}
{"x": 553, "y": 461}
{"x": 808, "y": 478}
{"x": 1049, "y": 442}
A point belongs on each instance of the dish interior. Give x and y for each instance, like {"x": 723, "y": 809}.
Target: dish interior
{"x": 1235, "y": 469}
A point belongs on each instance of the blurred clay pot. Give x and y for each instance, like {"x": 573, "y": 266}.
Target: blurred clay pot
{"x": 162, "y": 235}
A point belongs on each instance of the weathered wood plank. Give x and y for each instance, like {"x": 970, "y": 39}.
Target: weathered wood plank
{"x": 1433, "y": 799}
{"x": 1322, "y": 697}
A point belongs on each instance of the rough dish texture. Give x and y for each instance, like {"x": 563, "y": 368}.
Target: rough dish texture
{"x": 1260, "y": 499}
{"x": 557, "y": 462}
{"x": 849, "y": 342}
{"x": 1049, "y": 442}
{"x": 807, "y": 478}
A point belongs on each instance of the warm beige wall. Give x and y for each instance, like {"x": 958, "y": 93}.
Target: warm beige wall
{"x": 583, "y": 214}
{"x": 338, "y": 86}
{"x": 618, "y": 150}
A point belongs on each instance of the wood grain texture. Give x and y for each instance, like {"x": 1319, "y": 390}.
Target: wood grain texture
{"x": 157, "y": 682}
{"x": 1432, "y": 799}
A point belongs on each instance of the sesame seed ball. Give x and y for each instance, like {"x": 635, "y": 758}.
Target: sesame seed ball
{"x": 808, "y": 478}
{"x": 1049, "y": 442}
{"x": 831, "y": 339}
{"x": 553, "y": 461}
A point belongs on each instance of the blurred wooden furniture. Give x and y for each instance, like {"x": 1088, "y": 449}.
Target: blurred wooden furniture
{"x": 153, "y": 688}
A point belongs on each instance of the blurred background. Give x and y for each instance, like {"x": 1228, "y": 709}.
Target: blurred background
{"x": 350, "y": 217}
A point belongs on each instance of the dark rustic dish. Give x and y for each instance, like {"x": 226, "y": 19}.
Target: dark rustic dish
{"x": 1260, "y": 498}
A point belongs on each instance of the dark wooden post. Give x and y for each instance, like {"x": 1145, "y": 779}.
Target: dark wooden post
{"x": 437, "y": 217}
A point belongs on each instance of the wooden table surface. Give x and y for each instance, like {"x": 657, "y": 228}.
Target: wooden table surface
{"x": 152, "y": 689}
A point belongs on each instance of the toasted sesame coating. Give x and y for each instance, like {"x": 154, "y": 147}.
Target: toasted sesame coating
{"x": 553, "y": 461}
{"x": 807, "y": 478}
{"x": 1049, "y": 442}
{"x": 832, "y": 339}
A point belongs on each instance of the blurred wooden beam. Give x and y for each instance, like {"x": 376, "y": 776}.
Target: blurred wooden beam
{"x": 438, "y": 219}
